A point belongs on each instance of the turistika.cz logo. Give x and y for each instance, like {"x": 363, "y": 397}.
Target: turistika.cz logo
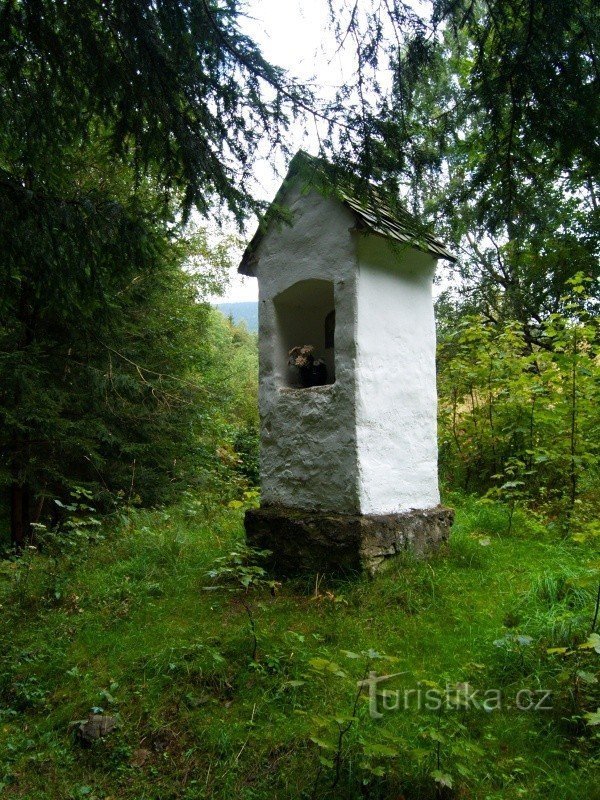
{"x": 426, "y": 696}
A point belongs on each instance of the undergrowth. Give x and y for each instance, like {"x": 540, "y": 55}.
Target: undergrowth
{"x": 226, "y": 684}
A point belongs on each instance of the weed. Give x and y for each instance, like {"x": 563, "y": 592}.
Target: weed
{"x": 210, "y": 707}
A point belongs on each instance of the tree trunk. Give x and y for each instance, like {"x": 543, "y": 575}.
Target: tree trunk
{"x": 19, "y": 515}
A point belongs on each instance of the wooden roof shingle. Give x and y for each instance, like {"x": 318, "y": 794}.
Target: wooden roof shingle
{"x": 372, "y": 212}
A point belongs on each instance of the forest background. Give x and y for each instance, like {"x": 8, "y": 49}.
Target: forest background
{"x": 128, "y": 131}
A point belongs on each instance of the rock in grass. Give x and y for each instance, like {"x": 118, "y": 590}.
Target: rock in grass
{"x": 96, "y": 726}
{"x": 139, "y": 757}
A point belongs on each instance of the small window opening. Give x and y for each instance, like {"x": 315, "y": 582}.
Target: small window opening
{"x": 330, "y": 330}
{"x": 305, "y": 335}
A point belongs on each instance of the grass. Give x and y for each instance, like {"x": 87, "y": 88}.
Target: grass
{"x": 127, "y": 625}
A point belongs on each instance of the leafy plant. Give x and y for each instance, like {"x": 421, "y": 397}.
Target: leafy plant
{"x": 518, "y": 421}
{"x": 579, "y": 678}
{"x": 330, "y": 732}
{"x": 239, "y": 573}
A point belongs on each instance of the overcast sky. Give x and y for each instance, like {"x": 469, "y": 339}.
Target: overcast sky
{"x": 296, "y": 35}
{"x": 291, "y": 34}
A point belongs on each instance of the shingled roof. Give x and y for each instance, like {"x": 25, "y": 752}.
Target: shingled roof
{"x": 373, "y": 214}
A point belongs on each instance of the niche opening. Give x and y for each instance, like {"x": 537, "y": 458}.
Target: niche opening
{"x": 305, "y": 316}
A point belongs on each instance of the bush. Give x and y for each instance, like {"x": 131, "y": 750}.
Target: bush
{"x": 518, "y": 420}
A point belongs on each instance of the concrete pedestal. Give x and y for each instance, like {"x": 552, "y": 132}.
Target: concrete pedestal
{"x": 313, "y": 541}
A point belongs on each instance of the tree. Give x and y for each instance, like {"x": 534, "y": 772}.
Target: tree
{"x": 486, "y": 111}
{"x": 115, "y": 119}
{"x": 478, "y": 133}
{"x": 100, "y": 330}
{"x": 174, "y": 89}
{"x": 521, "y": 421}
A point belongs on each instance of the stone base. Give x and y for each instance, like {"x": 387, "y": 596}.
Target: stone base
{"x": 316, "y": 541}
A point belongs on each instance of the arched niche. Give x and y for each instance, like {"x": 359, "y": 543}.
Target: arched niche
{"x": 305, "y": 315}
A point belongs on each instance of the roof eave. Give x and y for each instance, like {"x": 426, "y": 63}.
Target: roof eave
{"x": 444, "y": 254}
{"x": 299, "y": 163}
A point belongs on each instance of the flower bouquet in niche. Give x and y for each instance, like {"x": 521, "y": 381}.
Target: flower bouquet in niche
{"x": 312, "y": 371}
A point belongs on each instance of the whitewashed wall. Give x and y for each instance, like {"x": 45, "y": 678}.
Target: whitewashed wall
{"x": 396, "y": 383}
{"x": 308, "y": 436}
{"x": 366, "y": 443}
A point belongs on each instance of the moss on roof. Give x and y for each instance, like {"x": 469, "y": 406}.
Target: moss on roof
{"x": 373, "y": 211}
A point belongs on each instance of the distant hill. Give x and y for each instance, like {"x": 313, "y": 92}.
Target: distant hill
{"x": 241, "y": 312}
